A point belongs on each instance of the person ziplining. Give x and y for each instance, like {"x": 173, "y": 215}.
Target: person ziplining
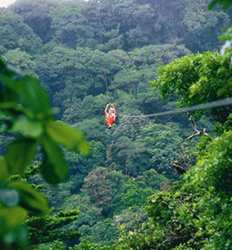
{"x": 181, "y": 165}
{"x": 110, "y": 115}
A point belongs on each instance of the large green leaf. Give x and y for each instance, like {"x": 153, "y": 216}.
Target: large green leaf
{"x": 19, "y": 155}
{"x": 5, "y": 70}
{"x": 13, "y": 217}
{"x": 3, "y": 169}
{"x": 7, "y": 95}
{"x": 70, "y": 137}
{"x": 28, "y": 127}
{"x": 30, "y": 199}
{"x": 34, "y": 97}
{"x": 30, "y": 95}
{"x": 53, "y": 168}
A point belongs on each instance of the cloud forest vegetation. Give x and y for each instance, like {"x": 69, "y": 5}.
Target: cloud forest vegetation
{"x": 68, "y": 182}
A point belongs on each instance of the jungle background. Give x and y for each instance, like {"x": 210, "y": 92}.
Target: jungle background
{"x": 90, "y": 53}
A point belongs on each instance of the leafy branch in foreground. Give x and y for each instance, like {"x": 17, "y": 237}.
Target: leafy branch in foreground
{"x": 25, "y": 113}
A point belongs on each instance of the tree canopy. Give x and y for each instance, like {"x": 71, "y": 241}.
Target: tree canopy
{"x": 146, "y": 56}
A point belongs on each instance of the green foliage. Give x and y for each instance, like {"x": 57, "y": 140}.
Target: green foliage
{"x": 130, "y": 219}
{"x": 224, "y": 3}
{"x": 149, "y": 146}
{"x": 102, "y": 185}
{"x": 113, "y": 192}
{"x": 30, "y": 199}
{"x": 12, "y": 230}
{"x": 87, "y": 54}
{"x": 63, "y": 134}
{"x": 103, "y": 231}
{"x": 53, "y": 162}
{"x": 16, "y": 34}
{"x": 33, "y": 13}
{"x": 197, "y": 79}
{"x": 21, "y": 60}
{"x": 194, "y": 213}
{"x": 79, "y": 24}
{"x": 15, "y": 163}
{"x": 89, "y": 214}
{"x": 226, "y": 36}
{"x": 86, "y": 245}
{"x": 53, "y": 227}
{"x": 55, "y": 245}
{"x": 26, "y": 105}
{"x": 134, "y": 195}
{"x": 200, "y": 23}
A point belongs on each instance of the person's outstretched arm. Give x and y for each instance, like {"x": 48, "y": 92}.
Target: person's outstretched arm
{"x": 106, "y": 109}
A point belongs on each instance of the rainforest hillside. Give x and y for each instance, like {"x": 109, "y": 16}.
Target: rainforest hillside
{"x": 125, "y": 188}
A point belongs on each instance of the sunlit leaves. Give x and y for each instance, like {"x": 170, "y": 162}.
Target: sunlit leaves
{"x": 198, "y": 78}
{"x": 71, "y": 138}
{"x": 227, "y": 36}
{"x": 27, "y": 127}
{"x": 14, "y": 216}
{"x": 21, "y": 60}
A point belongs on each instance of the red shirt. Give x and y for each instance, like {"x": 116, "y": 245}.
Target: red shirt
{"x": 110, "y": 119}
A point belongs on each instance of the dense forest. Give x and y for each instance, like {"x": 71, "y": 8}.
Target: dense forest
{"x": 69, "y": 182}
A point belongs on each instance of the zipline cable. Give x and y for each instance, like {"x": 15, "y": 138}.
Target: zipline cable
{"x": 208, "y": 105}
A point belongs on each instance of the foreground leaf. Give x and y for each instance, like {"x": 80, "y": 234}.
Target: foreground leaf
{"x": 30, "y": 199}
{"x": 27, "y": 127}
{"x": 30, "y": 95}
{"x": 71, "y": 138}
{"x": 13, "y": 217}
{"x": 3, "y": 169}
{"x": 53, "y": 168}
{"x": 19, "y": 155}
{"x": 34, "y": 97}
